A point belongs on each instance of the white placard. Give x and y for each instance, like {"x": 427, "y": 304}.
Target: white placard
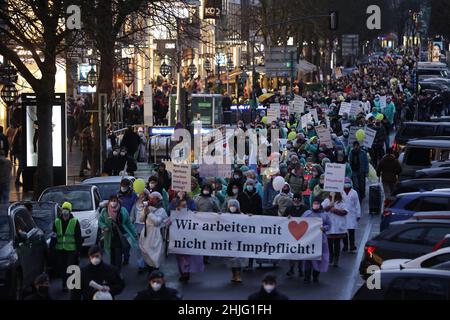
{"x": 345, "y": 108}
{"x": 334, "y": 177}
{"x": 298, "y": 105}
{"x": 240, "y": 235}
{"x": 382, "y": 103}
{"x": 305, "y": 119}
{"x": 313, "y": 113}
{"x": 370, "y": 137}
{"x": 355, "y": 106}
{"x": 273, "y": 113}
{"x": 324, "y": 136}
{"x": 282, "y": 143}
{"x": 181, "y": 177}
{"x": 352, "y": 135}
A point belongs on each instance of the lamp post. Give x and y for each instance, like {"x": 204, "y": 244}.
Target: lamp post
{"x": 230, "y": 67}
{"x": 8, "y": 75}
{"x": 207, "y": 67}
{"x": 164, "y": 69}
{"x": 192, "y": 70}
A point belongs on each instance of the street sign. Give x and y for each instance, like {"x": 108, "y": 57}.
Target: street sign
{"x": 213, "y": 9}
{"x": 280, "y": 61}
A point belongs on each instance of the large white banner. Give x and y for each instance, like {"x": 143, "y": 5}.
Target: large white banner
{"x": 240, "y": 235}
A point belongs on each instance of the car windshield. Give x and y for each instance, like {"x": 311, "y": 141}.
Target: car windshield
{"x": 108, "y": 189}
{"x": 44, "y": 219}
{"x": 4, "y": 228}
{"x": 81, "y": 200}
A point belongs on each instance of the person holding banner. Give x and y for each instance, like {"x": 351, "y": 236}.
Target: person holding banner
{"x": 236, "y": 264}
{"x": 337, "y": 210}
{"x": 151, "y": 241}
{"x": 205, "y": 201}
{"x": 283, "y": 199}
{"x": 187, "y": 264}
{"x": 317, "y": 266}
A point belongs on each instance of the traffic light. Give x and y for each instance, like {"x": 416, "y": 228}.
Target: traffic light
{"x": 333, "y": 20}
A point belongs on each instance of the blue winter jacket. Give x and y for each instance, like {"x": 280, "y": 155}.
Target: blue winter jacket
{"x": 268, "y": 196}
{"x": 363, "y": 161}
{"x": 127, "y": 200}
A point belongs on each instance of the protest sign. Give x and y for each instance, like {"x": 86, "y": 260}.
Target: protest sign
{"x": 370, "y": 137}
{"x": 282, "y": 143}
{"x": 215, "y": 170}
{"x": 334, "y": 177}
{"x": 240, "y": 235}
{"x": 324, "y": 136}
{"x": 382, "y": 103}
{"x": 298, "y": 105}
{"x": 355, "y": 108}
{"x": 352, "y": 135}
{"x": 313, "y": 113}
{"x": 181, "y": 177}
{"x": 273, "y": 113}
{"x": 305, "y": 119}
{"x": 345, "y": 108}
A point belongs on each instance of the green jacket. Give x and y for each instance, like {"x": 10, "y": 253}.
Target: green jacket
{"x": 104, "y": 221}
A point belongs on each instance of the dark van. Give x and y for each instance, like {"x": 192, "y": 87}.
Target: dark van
{"x": 414, "y": 130}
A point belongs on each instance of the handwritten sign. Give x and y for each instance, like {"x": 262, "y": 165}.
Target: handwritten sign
{"x": 273, "y": 113}
{"x": 324, "y": 136}
{"x": 370, "y": 137}
{"x": 334, "y": 177}
{"x": 345, "y": 108}
{"x": 181, "y": 177}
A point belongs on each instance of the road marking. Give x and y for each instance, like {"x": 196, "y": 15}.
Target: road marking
{"x": 348, "y": 292}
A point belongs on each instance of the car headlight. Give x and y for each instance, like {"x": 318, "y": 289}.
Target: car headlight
{"x": 85, "y": 223}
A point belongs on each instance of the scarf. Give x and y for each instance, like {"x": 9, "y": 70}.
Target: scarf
{"x": 113, "y": 212}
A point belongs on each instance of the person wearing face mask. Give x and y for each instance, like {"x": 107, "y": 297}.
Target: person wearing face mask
{"x": 296, "y": 210}
{"x": 268, "y": 290}
{"x": 157, "y": 289}
{"x": 283, "y": 199}
{"x": 360, "y": 168}
{"x": 131, "y": 142}
{"x": 231, "y": 195}
{"x": 41, "y": 288}
{"x": 196, "y": 174}
{"x": 352, "y": 203}
{"x": 311, "y": 131}
{"x": 128, "y": 163}
{"x": 151, "y": 241}
{"x": 237, "y": 179}
{"x": 126, "y": 195}
{"x": 187, "y": 264}
{"x": 113, "y": 164}
{"x": 68, "y": 242}
{"x": 117, "y": 230}
{"x": 142, "y": 149}
{"x": 138, "y": 209}
{"x": 365, "y": 105}
{"x": 344, "y": 139}
{"x": 103, "y": 274}
{"x": 236, "y": 264}
{"x": 318, "y": 191}
{"x": 249, "y": 199}
{"x": 164, "y": 178}
{"x": 295, "y": 178}
{"x": 206, "y": 201}
{"x": 317, "y": 266}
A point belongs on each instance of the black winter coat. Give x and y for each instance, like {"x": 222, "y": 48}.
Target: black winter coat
{"x": 164, "y": 293}
{"x": 263, "y": 295}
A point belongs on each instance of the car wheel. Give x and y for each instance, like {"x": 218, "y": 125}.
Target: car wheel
{"x": 17, "y": 290}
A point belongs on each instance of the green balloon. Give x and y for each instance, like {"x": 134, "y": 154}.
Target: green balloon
{"x": 292, "y": 135}
{"x": 360, "y": 135}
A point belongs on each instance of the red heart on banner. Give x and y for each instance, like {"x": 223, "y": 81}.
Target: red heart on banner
{"x": 298, "y": 229}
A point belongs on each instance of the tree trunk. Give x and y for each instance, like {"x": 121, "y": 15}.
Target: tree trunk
{"x": 44, "y": 174}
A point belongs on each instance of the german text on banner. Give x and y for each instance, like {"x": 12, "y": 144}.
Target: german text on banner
{"x": 239, "y": 235}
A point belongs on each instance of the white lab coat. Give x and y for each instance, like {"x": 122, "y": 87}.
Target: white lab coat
{"x": 354, "y": 208}
{"x": 152, "y": 245}
{"x": 338, "y": 223}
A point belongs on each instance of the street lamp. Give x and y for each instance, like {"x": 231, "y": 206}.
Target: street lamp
{"x": 92, "y": 77}
{"x": 192, "y": 70}
{"x": 9, "y": 93}
{"x": 207, "y": 66}
{"x": 164, "y": 69}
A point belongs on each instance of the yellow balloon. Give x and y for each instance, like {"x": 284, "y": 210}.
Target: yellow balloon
{"x": 379, "y": 116}
{"x": 360, "y": 135}
{"x": 292, "y": 136}
{"x": 264, "y": 120}
{"x": 138, "y": 186}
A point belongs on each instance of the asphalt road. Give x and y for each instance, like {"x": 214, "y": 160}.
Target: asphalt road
{"x": 214, "y": 284}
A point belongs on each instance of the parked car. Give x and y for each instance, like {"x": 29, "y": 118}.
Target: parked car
{"x": 415, "y": 185}
{"x": 414, "y": 130}
{"x": 85, "y": 200}
{"x": 444, "y": 243}
{"x": 405, "y": 205}
{"x": 408, "y": 284}
{"x": 107, "y": 186}
{"x": 440, "y": 173}
{"x": 23, "y": 247}
{"x": 428, "y": 260}
{"x": 420, "y": 154}
{"x": 406, "y": 239}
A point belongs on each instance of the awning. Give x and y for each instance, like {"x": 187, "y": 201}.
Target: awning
{"x": 306, "y": 67}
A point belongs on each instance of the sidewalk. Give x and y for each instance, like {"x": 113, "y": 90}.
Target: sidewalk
{"x": 73, "y": 170}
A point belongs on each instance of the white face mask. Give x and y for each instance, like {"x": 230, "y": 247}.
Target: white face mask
{"x": 205, "y": 192}
{"x": 235, "y": 191}
{"x": 269, "y": 288}
{"x": 124, "y": 189}
{"x": 156, "y": 286}
{"x": 95, "y": 261}
{"x": 123, "y": 153}
{"x": 233, "y": 209}
{"x": 115, "y": 153}
{"x": 316, "y": 207}
{"x": 152, "y": 185}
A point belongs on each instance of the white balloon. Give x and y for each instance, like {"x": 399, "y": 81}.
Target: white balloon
{"x": 102, "y": 295}
{"x": 278, "y": 183}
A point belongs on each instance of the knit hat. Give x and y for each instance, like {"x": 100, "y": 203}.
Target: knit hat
{"x": 156, "y": 275}
{"x": 67, "y": 205}
{"x": 93, "y": 250}
{"x": 269, "y": 278}
{"x": 156, "y": 194}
